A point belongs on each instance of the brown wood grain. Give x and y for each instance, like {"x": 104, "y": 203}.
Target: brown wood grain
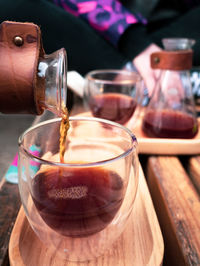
{"x": 194, "y": 169}
{"x": 140, "y": 244}
{"x": 178, "y": 208}
{"x": 9, "y": 207}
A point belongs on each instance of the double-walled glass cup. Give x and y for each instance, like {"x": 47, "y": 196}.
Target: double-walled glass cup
{"x": 113, "y": 94}
{"x": 80, "y": 207}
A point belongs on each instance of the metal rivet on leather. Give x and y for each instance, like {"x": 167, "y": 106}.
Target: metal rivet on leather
{"x": 18, "y": 40}
{"x": 156, "y": 60}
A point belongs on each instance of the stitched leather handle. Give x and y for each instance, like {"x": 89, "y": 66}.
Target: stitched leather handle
{"x": 172, "y": 60}
{"x": 20, "y": 49}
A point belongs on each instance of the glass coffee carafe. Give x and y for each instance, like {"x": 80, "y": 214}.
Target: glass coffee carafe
{"x": 30, "y": 80}
{"x": 171, "y": 110}
{"x": 49, "y": 92}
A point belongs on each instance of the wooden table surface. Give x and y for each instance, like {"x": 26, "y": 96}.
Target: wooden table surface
{"x": 174, "y": 184}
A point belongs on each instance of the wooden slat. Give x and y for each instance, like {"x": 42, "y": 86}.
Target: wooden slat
{"x": 194, "y": 169}
{"x": 9, "y": 207}
{"x": 178, "y": 208}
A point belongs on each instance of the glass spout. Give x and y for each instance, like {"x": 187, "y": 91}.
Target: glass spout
{"x": 53, "y": 69}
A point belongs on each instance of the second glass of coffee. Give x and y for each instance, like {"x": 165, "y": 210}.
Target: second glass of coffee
{"x": 113, "y": 94}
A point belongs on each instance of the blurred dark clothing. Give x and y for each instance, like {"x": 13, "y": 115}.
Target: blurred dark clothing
{"x": 166, "y": 19}
{"x": 160, "y": 10}
{"x": 87, "y": 50}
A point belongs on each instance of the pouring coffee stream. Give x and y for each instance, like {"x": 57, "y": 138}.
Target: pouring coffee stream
{"x": 64, "y": 127}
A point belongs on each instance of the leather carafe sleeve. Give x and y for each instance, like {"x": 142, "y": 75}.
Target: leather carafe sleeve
{"x": 20, "y": 50}
{"x": 172, "y": 60}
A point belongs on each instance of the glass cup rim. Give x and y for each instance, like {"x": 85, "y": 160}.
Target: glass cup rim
{"x": 180, "y": 39}
{"x": 78, "y": 118}
{"x": 136, "y": 77}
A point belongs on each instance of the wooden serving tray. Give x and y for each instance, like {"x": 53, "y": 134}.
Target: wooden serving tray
{"x": 140, "y": 244}
{"x": 161, "y": 146}
{"x": 165, "y": 146}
